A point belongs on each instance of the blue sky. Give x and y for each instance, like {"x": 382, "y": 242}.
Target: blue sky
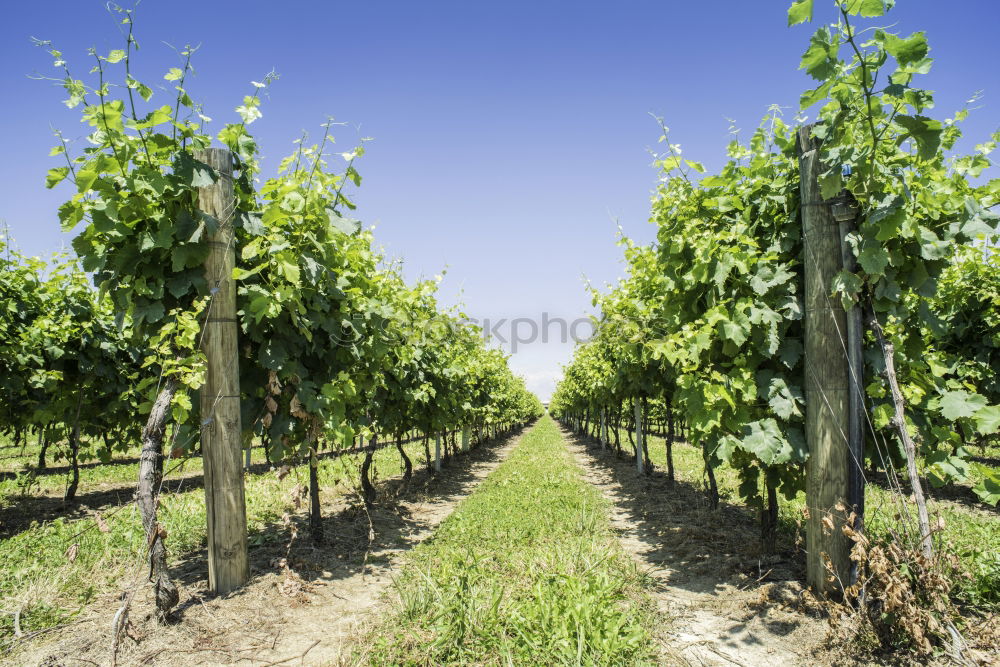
{"x": 510, "y": 138}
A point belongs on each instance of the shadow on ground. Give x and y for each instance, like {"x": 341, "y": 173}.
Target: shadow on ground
{"x": 711, "y": 577}
{"x": 302, "y": 599}
{"x": 704, "y": 548}
{"x": 356, "y": 538}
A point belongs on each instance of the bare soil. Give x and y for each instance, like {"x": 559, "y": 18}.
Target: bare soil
{"x": 721, "y": 605}
{"x": 303, "y": 603}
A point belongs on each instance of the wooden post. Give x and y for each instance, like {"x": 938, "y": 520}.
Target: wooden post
{"x": 639, "y": 462}
{"x": 826, "y": 381}
{"x": 465, "y": 438}
{"x": 845, "y": 213}
{"x": 604, "y": 429}
{"x": 228, "y": 564}
{"x": 437, "y": 452}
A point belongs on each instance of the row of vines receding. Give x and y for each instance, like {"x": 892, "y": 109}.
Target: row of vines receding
{"x": 101, "y": 352}
{"x": 703, "y": 340}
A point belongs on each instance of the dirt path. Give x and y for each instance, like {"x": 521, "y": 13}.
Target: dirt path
{"x": 302, "y": 615}
{"x": 692, "y": 555}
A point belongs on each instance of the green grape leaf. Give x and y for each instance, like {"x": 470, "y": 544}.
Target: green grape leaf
{"x": 889, "y": 219}
{"x": 931, "y": 247}
{"x": 55, "y": 176}
{"x": 70, "y": 213}
{"x": 869, "y": 8}
{"x": 801, "y": 11}
{"x": 790, "y": 352}
{"x": 180, "y": 408}
{"x": 187, "y": 255}
{"x": 193, "y": 172}
{"x": 145, "y": 92}
{"x": 728, "y": 444}
{"x": 179, "y": 284}
{"x": 733, "y": 332}
{"x": 784, "y": 400}
{"x": 344, "y": 225}
{"x": 948, "y": 468}
{"x": 670, "y": 163}
{"x": 925, "y": 132}
{"x": 289, "y": 269}
{"x": 293, "y": 202}
{"x": 988, "y": 489}
{"x": 831, "y": 183}
{"x": 847, "y": 285}
{"x": 906, "y": 51}
{"x": 987, "y": 419}
{"x": 820, "y": 59}
{"x": 764, "y": 440}
{"x": 873, "y": 259}
{"x": 147, "y": 311}
{"x": 252, "y": 223}
{"x": 154, "y": 118}
{"x": 312, "y": 269}
{"x": 882, "y": 415}
{"x": 959, "y": 403}
{"x": 243, "y": 274}
{"x": 811, "y": 97}
{"x": 714, "y": 181}
{"x": 768, "y": 277}
{"x": 978, "y": 221}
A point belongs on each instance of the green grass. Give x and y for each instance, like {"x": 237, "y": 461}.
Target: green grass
{"x": 525, "y": 571}
{"x": 94, "y": 476}
{"x": 121, "y": 470}
{"x": 40, "y": 579}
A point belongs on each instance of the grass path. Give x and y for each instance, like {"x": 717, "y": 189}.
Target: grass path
{"x": 310, "y": 609}
{"x": 526, "y": 571}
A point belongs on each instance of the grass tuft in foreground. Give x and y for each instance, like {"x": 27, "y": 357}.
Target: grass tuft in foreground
{"x": 525, "y": 571}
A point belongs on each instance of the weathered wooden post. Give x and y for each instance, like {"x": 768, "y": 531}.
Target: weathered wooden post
{"x": 437, "y": 451}
{"x": 465, "y": 438}
{"x": 845, "y": 212}
{"x": 228, "y": 564}
{"x": 827, "y": 386}
{"x": 604, "y": 429}
{"x": 639, "y": 462}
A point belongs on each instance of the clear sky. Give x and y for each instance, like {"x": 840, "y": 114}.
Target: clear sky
{"x": 510, "y": 138}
